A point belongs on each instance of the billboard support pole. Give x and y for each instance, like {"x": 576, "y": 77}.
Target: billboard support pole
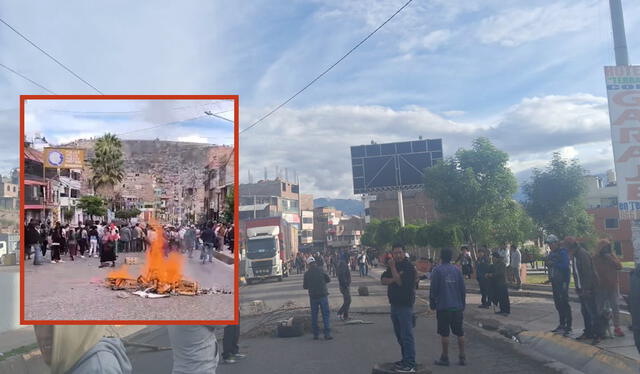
{"x": 619, "y": 37}
{"x": 400, "y": 208}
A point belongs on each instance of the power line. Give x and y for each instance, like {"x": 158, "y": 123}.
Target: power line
{"x": 27, "y": 79}
{"x": 174, "y": 122}
{"x": 326, "y": 70}
{"x": 51, "y": 57}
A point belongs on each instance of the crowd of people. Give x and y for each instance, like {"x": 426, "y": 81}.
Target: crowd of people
{"x": 101, "y": 240}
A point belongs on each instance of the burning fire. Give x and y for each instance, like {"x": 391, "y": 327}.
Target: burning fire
{"x": 159, "y": 274}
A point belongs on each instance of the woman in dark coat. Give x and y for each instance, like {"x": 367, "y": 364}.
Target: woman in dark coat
{"x": 109, "y": 249}
{"x": 56, "y": 243}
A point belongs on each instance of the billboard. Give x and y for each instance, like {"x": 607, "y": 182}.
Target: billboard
{"x": 393, "y": 166}
{"x": 64, "y": 158}
{"x": 623, "y": 92}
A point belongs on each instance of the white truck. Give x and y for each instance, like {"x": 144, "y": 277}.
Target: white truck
{"x": 271, "y": 246}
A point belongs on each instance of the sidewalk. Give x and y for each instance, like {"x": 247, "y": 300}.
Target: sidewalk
{"x": 21, "y": 355}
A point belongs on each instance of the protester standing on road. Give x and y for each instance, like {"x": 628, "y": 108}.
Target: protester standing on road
{"x": 607, "y": 266}
{"x": 195, "y": 349}
{"x": 483, "y": 265}
{"x": 362, "y": 262}
{"x": 108, "y": 253}
{"x": 560, "y": 275}
{"x": 230, "y": 349}
{"x": 315, "y": 281}
{"x": 208, "y": 238}
{"x": 515, "y": 263}
{"x": 93, "y": 241}
{"x": 56, "y": 243}
{"x": 344, "y": 279}
{"x": 465, "y": 262}
{"x": 125, "y": 238}
{"x": 72, "y": 243}
{"x": 586, "y": 282}
{"x": 400, "y": 279}
{"x": 448, "y": 298}
{"x": 499, "y": 290}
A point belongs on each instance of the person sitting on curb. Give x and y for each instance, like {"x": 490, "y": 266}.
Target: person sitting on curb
{"x": 448, "y": 297}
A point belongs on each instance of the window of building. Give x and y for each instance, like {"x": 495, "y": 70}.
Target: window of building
{"x": 617, "y": 248}
{"x": 295, "y": 188}
{"x": 307, "y": 220}
{"x": 611, "y": 223}
{"x": 14, "y": 188}
{"x": 284, "y": 186}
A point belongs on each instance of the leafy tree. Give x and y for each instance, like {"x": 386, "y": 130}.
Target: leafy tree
{"x": 386, "y": 233}
{"x": 406, "y": 236}
{"x": 68, "y": 215}
{"x": 92, "y": 205}
{"x": 472, "y": 190}
{"x": 107, "y": 165}
{"x": 555, "y": 198}
{"x": 513, "y": 225}
{"x": 229, "y": 207}
{"x": 128, "y": 213}
{"x": 368, "y": 238}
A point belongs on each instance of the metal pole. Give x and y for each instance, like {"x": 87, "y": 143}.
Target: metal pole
{"x": 400, "y": 208}
{"x": 619, "y": 38}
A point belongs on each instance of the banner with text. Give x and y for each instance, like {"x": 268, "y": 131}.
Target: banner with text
{"x": 64, "y": 158}
{"x": 623, "y": 91}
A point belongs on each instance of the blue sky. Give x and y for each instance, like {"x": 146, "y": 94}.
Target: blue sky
{"x": 527, "y": 74}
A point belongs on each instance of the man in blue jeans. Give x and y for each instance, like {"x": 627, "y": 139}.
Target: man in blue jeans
{"x": 400, "y": 279}
{"x": 315, "y": 280}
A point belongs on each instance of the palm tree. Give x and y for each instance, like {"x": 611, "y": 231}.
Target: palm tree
{"x": 107, "y": 165}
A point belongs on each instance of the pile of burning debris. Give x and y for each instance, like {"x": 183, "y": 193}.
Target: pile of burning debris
{"x": 182, "y": 287}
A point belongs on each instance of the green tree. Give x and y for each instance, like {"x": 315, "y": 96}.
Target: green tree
{"x": 368, "y": 238}
{"x": 107, "y": 165}
{"x": 407, "y": 237}
{"x": 92, "y": 205}
{"x": 128, "y": 213}
{"x": 555, "y": 199}
{"x": 229, "y": 207}
{"x": 472, "y": 189}
{"x": 68, "y": 214}
{"x": 386, "y": 233}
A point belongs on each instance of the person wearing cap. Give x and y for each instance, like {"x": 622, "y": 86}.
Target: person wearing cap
{"x": 499, "y": 290}
{"x": 315, "y": 281}
{"x": 560, "y": 275}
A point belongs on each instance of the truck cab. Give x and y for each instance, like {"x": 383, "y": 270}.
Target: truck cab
{"x": 263, "y": 259}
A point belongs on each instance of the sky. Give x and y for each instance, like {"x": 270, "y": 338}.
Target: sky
{"x": 63, "y": 121}
{"x": 526, "y": 74}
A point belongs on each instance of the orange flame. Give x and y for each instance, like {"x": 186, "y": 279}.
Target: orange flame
{"x": 157, "y": 267}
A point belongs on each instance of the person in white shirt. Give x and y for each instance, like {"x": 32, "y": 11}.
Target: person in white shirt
{"x": 515, "y": 263}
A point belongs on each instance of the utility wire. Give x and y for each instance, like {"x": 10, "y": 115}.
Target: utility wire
{"x": 326, "y": 70}
{"x": 174, "y": 122}
{"x": 51, "y": 57}
{"x": 27, "y": 79}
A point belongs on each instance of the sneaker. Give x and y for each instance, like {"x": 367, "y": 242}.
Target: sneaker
{"x": 618, "y": 332}
{"x": 442, "y": 361}
{"x": 54, "y": 262}
{"x": 558, "y": 329}
{"x": 81, "y": 256}
{"x": 462, "y": 361}
{"x": 227, "y": 361}
{"x": 583, "y": 337}
{"x": 405, "y": 369}
{"x": 567, "y": 331}
{"x": 239, "y": 356}
{"x": 328, "y": 337}
{"x": 398, "y": 364}
{"x": 61, "y": 261}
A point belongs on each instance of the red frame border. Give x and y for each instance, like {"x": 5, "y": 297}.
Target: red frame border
{"x": 235, "y": 98}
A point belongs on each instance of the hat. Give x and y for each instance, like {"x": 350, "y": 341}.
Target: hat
{"x": 497, "y": 254}
{"x": 551, "y": 239}
{"x": 311, "y": 259}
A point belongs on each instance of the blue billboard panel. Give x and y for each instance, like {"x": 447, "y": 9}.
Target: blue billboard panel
{"x": 393, "y": 166}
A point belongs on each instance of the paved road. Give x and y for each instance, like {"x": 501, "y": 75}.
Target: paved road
{"x": 355, "y": 349}
{"x": 75, "y": 291}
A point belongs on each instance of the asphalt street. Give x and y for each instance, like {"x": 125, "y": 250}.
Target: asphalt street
{"x": 355, "y": 349}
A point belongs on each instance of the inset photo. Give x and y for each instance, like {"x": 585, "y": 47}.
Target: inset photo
{"x": 128, "y": 209}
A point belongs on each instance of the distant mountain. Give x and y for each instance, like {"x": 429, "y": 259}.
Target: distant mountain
{"x": 347, "y": 206}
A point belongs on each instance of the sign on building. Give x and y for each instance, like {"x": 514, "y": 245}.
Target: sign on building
{"x": 623, "y": 92}
{"x": 393, "y": 166}
{"x": 64, "y": 158}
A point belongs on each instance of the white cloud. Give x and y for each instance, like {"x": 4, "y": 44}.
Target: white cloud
{"x": 516, "y": 26}
{"x": 429, "y": 42}
{"x": 193, "y": 139}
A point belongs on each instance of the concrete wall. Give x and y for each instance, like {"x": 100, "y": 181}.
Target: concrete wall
{"x": 9, "y": 298}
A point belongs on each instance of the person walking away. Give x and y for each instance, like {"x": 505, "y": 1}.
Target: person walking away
{"x": 362, "y": 262}
{"x": 94, "y": 236}
{"x": 344, "y": 280}
{"x": 231, "y": 238}
{"x": 72, "y": 243}
{"x": 230, "y": 350}
{"x": 44, "y": 239}
{"x": 125, "y": 238}
{"x": 586, "y": 282}
{"x": 56, "y": 243}
{"x": 482, "y": 268}
{"x": 499, "y": 289}
{"x": 190, "y": 240}
{"x": 400, "y": 279}
{"x": 447, "y": 297}
{"x": 208, "y": 238}
{"x": 607, "y": 266}
{"x": 315, "y": 281}
{"x": 634, "y": 304}
{"x": 515, "y": 263}
{"x": 195, "y": 349}
{"x": 31, "y": 239}
{"x": 82, "y": 237}
{"x": 560, "y": 274}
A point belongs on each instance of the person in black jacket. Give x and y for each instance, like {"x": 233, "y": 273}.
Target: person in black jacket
{"x": 344, "y": 279}
{"x": 315, "y": 280}
{"x": 483, "y": 266}
{"x": 32, "y": 238}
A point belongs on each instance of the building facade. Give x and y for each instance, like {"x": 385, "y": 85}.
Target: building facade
{"x": 418, "y": 207}
{"x": 282, "y": 196}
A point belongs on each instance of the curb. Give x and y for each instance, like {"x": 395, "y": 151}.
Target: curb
{"x": 224, "y": 258}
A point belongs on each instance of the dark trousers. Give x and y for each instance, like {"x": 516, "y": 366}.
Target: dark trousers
{"x": 323, "y": 304}
{"x": 55, "y": 252}
{"x": 346, "y": 302}
{"x": 636, "y": 337}
{"x": 502, "y": 297}
{"x": 82, "y": 244}
{"x": 230, "y": 340}
{"x": 561, "y": 301}
{"x": 43, "y": 246}
{"x": 402, "y": 319}
{"x": 484, "y": 291}
{"x": 589, "y": 310}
